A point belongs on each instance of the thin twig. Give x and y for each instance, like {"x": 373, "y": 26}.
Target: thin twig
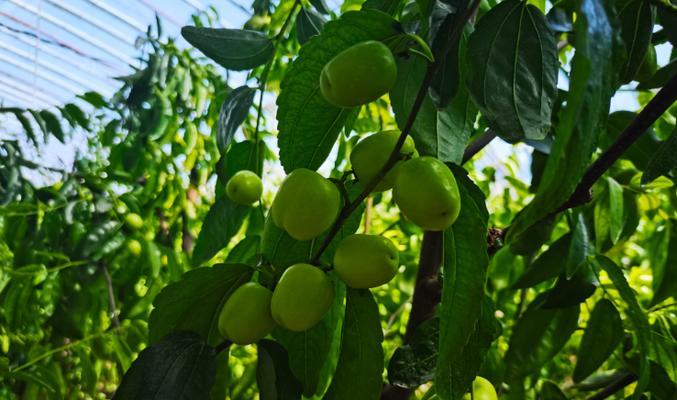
{"x": 395, "y": 154}
{"x": 111, "y": 295}
{"x": 614, "y": 387}
{"x": 223, "y": 345}
{"x": 478, "y": 144}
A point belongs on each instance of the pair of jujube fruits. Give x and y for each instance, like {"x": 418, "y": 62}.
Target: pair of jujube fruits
{"x": 307, "y": 204}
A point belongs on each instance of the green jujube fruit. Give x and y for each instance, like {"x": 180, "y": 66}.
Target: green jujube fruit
{"x": 134, "y": 221}
{"x": 366, "y": 261}
{"x": 306, "y": 204}
{"x": 482, "y": 390}
{"x": 426, "y": 192}
{"x": 360, "y": 74}
{"x": 246, "y": 317}
{"x": 302, "y": 297}
{"x": 371, "y": 154}
{"x": 244, "y": 187}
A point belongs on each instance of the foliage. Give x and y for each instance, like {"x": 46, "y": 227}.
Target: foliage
{"x": 113, "y": 272}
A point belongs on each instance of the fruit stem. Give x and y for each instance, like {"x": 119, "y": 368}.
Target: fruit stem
{"x": 395, "y": 154}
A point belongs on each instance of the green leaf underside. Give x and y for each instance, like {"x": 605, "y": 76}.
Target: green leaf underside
{"x": 308, "y": 125}
{"x": 180, "y": 367}
{"x": 360, "y": 364}
{"x": 194, "y": 302}
{"x": 222, "y": 222}
{"x": 273, "y": 375}
{"x": 637, "y": 317}
{"x": 465, "y": 265}
{"x": 587, "y": 105}
{"x": 234, "y": 49}
{"x": 439, "y": 133}
{"x": 234, "y": 110}
{"x": 602, "y": 335}
{"x": 512, "y": 74}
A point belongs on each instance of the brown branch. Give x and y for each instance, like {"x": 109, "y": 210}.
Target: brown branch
{"x": 111, "y": 295}
{"x": 478, "y": 144}
{"x": 614, "y": 387}
{"x": 395, "y": 154}
{"x": 642, "y": 122}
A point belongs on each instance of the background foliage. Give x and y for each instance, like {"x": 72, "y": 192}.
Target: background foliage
{"x": 137, "y": 247}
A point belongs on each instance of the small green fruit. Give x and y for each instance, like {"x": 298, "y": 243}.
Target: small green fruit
{"x": 302, "y": 297}
{"x": 134, "y": 221}
{"x": 371, "y": 154}
{"x": 134, "y": 247}
{"x": 359, "y": 74}
{"x": 244, "y": 187}
{"x": 482, "y": 390}
{"x": 246, "y": 318}
{"x": 427, "y": 193}
{"x": 306, "y": 204}
{"x": 366, "y": 261}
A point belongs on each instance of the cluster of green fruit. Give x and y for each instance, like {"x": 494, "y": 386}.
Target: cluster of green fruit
{"x": 307, "y": 204}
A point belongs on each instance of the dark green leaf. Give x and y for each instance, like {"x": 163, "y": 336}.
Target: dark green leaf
{"x": 309, "y": 23}
{"x": 550, "y": 391}
{"x": 568, "y": 292}
{"x": 25, "y": 123}
{"x": 234, "y": 110}
{"x": 273, "y": 375}
{"x": 664, "y": 160}
{"x": 241, "y": 155}
{"x": 601, "y": 337}
{"x": 313, "y": 351}
{"x": 245, "y": 251}
{"x": 664, "y": 263}
{"x": 75, "y": 116}
{"x": 660, "y": 77}
{"x": 512, "y": 74}
{"x": 559, "y": 20}
{"x": 637, "y": 317}
{"x": 537, "y": 337}
{"x": 41, "y": 123}
{"x": 308, "y": 125}
{"x": 95, "y": 99}
{"x": 579, "y": 247}
{"x": 590, "y": 90}
{"x": 465, "y": 267}
{"x": 194, "y": 303}
{"x": 234, "y": 49}
{"x": 615, "y": 210}
{"x": 360, "y": 364}
{"x": 439, "y": 133}
{"x": 182, "y": 366}
{"x": 320, "y": 6}
{"x": 548, "y": 265}
{"x": 642, "y": 151}
{"x": 414, "y": 364}
{"x": 636, "y": 23}
{"x": 222, "y": 222}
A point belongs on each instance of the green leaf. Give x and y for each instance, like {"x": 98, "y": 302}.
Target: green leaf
{"x": 601, "y": 337}
{"x": 465, "y": 267}
{"x": 615, "y": 210}
{"x": 512, "y": 70}
{"x": 637, "y": 317}
{"x": 591, "y": 87}
{"x": 664, "y": 347}
{"x": 182, "y": 366}
{"x": 360, "y": 364}
{"x": 309, "y": 23}
{"x": 664, "y": 160}
{"x": 308, "y": 125}
{"x": 664, "y": 263}
{"x": 41, "y": 123}
{"x": 75, "y": 116}
{"x": 439, "y": 133}
{"x": 273, "y": 375}
{"x": 568, "y": 292}
{"x": 234, "y": 49}
{"x": 194, "y": 302}
{"x": 548, "y": 265}
{"x": 240, "y": 155}
{"x": 234, "y": 110}
{"x": 550, "y": 391}
{"x": 642, "y": 151}
{"x": 579, "y": 247}
{"x": 94, "y": 98}
{"x": 25, "y": 123}
{"x": 537, "y": 337}
{"x": 660, "y": 77}
{"x": 245, "y": 251}
{"x": 221, "y": 223}
{"x": 320, "y": 6}
{"x": 413, "y": 364}
{"x": 636, "y": 24}
{"x": 311, "y": 352}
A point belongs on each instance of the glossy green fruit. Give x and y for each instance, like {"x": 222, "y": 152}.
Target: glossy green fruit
{"x": 482, "y": 390}
{"x": 244, "y": 187}
{"x": 427, "y": 193}
{"x": 246, "y": 318}
{"x": 359, "y": 74}
{"x": 134, "y": 247}
{"x": 306, "y": 204}
{"x": 366, "y": 261}
{"x": 302, "y": 297}
{"x": 134, "y": 221}
{"x": 372, "y": 152}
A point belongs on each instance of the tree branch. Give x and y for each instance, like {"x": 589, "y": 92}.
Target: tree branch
{"x": 642, "y": 122}
{"x": 478, "y": 144}
{"x": 395, "y": 154}
{"x": 614, "y": 387}
{"x": 111, "y": 295}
